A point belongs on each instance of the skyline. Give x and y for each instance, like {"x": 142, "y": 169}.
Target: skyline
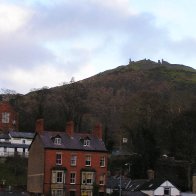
{"x": 46, "y": 43}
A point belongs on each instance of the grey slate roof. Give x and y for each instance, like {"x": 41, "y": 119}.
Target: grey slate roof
{"x": 135, "y": 185}
{"x": 4, "y": 136}
{"x": 10, "y": 145}
{"x": 188, "y": 194}
{"x": 25, "y": 135}
{"x": 133, "y": 193}
{"x": 72, "y": 143}
{"x": 113, "y": 182}
{"x": 151, "y": 184}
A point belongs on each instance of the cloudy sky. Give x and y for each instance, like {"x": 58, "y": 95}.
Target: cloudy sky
{"x": 46, "y": 43}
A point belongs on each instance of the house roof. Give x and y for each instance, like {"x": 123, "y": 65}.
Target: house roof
{"x": 151, "y": 184}
{"x": 72, "y": 143}
{"x": 4, "y": 136}
{"x": 113, "y": 182}
{"x": 188, "y": 194}
{"x": 11, "y": 145}
{"x": 135, "y": 185}
{"x": 133, "y": 193}
{"x": 25, "y": 135}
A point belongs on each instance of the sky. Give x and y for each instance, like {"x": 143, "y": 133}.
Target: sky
{"x": 45, "y": 43}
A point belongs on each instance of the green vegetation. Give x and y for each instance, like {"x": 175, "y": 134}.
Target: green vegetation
{"x": 13, "y": 172}
{"x": 152, "y": 104}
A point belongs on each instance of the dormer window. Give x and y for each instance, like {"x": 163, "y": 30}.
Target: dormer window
{"x": 86, "y": 142}
{"x": 57, "y": 140}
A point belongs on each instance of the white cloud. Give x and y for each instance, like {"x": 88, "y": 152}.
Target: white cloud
{"x": 12, "y": 18}
{"x": 43, "y": 75}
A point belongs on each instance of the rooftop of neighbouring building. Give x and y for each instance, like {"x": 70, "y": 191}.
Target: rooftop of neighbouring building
{"x": 69, "y": 139}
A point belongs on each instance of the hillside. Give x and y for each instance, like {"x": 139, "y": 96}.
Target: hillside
{"x": 152, "y": 104}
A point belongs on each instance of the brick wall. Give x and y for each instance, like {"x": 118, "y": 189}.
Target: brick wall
{"x": 12, "y": 123}
{"x": 35, "y": 174}
{"x": 50, "y": 156}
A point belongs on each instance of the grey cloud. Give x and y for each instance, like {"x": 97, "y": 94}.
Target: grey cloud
{"x": 76, "y": 18}
{"x": 18, "y": 52}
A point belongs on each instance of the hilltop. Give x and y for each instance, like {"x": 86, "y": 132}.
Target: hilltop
{"x": 152, "y": 104}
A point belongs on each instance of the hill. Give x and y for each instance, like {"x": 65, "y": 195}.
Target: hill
{"x": 152, "y": 104}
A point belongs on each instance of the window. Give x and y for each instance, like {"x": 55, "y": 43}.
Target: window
{"x": 72, "y": 193}
{"x": 125, "y": 140}
{"x": 102, "y": 180}
{"x": 57, "y": 140}
{"x": 102, "y": 161}
{"x": 5, "y": 117}
{"x": 87, "y": 178}
{"x": 72, "y": 178}
{"x": 88, "y": 160}
{"x": 86, "y": 193}
{"x": 73, "y": 160}
{"x": 58, "y": 159}
{"x": 58, "y": 176}
{"x": 86, "y": 142}
{"x": 57, "y": 192}
{"x": 166, "y": 191}
{"x": 23, "y": 141}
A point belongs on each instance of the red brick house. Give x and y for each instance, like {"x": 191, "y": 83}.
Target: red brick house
{"x": 8, "y": 117}
{"x": 67, "y": 163}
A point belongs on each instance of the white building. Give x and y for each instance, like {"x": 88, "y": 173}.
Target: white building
{"x": 154, "y": 187}
{"x": 15, "y": 143}
{"x": 160, "y": 188}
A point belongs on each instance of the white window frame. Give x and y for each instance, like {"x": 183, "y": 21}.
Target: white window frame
{"x": 73, "y": 178}
{"x": 102, "y": 180}
{"x": 102, "y": 161}
{"x": 57, "y": 192}
{"x": 86, "y": 142}
{"x": 59, "y": 159}
{"x": 57, "y": 141}
{"x": 5, "y": 117}
{"x": 88, "y": 160}
{"x": 73, "y": 160}
{"x": 58, "y": 176}
{"x": 87, "y": 178}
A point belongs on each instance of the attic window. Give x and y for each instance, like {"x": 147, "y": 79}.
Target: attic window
{"x": 166, "y": 191}
{"x": 87, "y": 142}
{"x": 57, "y": 140}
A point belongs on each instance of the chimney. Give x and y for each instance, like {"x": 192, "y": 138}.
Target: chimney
{"x": 39, "y": 127}
{"x": 70, "y": 128}
{"x": 150, "y": 174}
{"x": 98, "y": 131}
